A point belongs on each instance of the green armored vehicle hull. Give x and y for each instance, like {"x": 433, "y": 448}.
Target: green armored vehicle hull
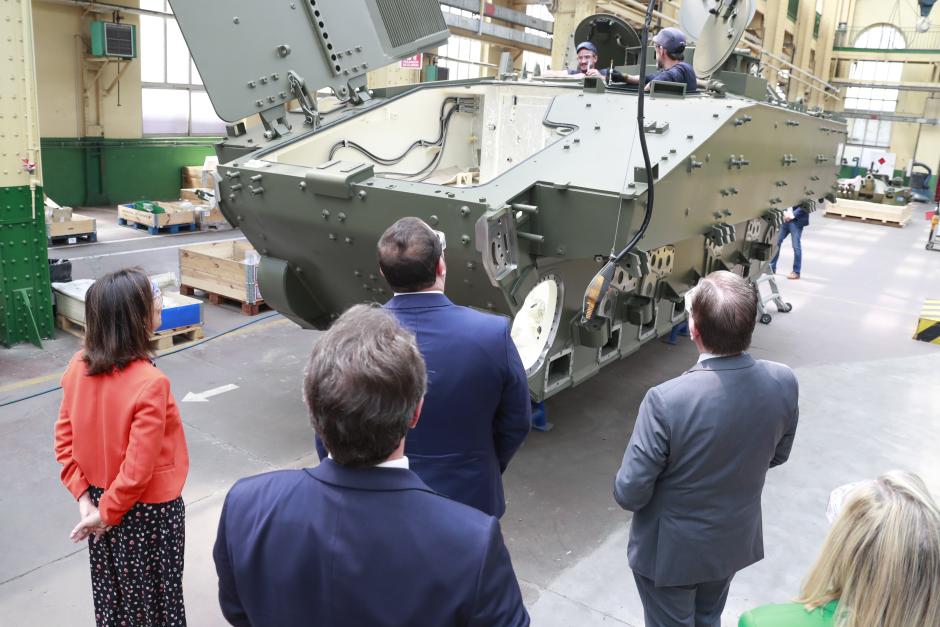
{"x": 535, "y": 184}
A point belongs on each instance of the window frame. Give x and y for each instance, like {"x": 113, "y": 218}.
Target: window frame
{"x": 190, "y": 88}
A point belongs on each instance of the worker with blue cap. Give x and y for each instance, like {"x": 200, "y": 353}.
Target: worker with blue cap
{"x": 669, "y": 44}
{"x": 587, "y": 62}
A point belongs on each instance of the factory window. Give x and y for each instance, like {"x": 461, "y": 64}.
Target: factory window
{"x": 531, "y": 59}
{"x": 881, "y": 36}
{"x": 462, "y": 55}
{"x": 793, "y": 9}
{"x": 872, "y": 132}
{"x": 174, "y": 100}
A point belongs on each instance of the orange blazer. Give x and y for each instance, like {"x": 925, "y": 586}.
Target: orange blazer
{"x": 121, "y": 432}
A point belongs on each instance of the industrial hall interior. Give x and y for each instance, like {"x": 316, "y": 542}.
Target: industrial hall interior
{"x": 300, "y": 299}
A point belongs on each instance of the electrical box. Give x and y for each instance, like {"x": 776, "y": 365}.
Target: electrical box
{"x": 109, "y": 39}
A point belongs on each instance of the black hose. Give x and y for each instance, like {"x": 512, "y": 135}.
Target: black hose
{"x": 393, "y": 160}
{"x": 641, "y": 90}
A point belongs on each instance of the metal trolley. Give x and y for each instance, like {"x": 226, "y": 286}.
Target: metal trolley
{"x": 773, "y": 296}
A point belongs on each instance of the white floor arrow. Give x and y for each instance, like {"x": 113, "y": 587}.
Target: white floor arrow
{"x": 203, "y": 397}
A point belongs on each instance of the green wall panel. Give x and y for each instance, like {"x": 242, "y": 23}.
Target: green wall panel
{"x": 63, "y": 170}
{"x": 95, "y": 171}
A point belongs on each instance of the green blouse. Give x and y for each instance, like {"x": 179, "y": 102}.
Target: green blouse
{"x": 790, "y": 615}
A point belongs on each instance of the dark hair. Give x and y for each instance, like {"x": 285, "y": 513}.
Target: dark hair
{"x": 724, "y": 307}
{"x": 408, "y": 253}
{"x": 678, "y": 55}
{"x": 118, "y": 321}
{"x": 364, "y": 380}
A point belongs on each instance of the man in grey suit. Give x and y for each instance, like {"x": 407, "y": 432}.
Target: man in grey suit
{"x": 694, "y": 469}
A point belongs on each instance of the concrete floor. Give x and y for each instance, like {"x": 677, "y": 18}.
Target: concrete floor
{"x": 865, "y": 408}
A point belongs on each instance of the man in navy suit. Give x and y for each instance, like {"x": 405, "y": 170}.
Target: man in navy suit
{"x": 477, "y": 411}
{"x": 360, "y": 539}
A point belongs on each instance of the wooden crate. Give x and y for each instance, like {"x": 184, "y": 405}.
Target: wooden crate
{"x": 78, "y": 225}
{"x": 220, "y": 268}
{"x": 893, "y": 215}
{"x": 173, "y": 216}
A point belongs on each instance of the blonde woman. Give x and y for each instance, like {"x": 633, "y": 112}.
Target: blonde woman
{"x": 879, "y": 566}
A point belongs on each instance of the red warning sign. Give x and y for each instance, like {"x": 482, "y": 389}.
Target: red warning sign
{"x": 412, "y": 63}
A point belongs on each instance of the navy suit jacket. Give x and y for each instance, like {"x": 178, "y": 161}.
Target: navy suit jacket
{"x": 477, "y": 410}
{"x": 337, "y": 547}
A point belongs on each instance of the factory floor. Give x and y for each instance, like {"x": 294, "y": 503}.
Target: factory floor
{"x": 866, "y": 391}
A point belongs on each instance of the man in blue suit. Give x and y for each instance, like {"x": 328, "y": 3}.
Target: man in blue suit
{"x": 360, "y": 539}
{"x": 793, "y": 226}
{"x": 477, "y": 411}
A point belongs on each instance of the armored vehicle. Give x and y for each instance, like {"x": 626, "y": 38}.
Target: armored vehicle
{"x": 538, "y": 183}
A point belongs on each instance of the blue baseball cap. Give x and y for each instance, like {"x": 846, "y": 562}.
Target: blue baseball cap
{"x": 586, "y": 44}
{"x": 672, "y": 39}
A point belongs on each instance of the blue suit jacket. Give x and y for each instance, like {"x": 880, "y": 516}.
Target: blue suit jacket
{"x": 337, "y": 546}
{"x": 477, "y": 411}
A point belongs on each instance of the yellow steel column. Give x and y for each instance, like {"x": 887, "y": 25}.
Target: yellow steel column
{"x": 567, "y": 17}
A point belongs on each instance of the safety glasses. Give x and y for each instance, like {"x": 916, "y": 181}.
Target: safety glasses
{"x": 442, "y": 238}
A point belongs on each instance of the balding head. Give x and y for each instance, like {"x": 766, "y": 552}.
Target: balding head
{"x": 408, "y": 253}
{"x": 724, "y": 312}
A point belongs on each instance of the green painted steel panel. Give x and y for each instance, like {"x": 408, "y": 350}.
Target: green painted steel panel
{"x": 95, "y": 171}
{"x": 25, "y": 290}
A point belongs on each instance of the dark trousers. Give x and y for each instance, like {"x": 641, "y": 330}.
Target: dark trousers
{"x": 697, "y": 605}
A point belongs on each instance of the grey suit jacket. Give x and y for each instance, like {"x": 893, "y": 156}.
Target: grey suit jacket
{"x": 694, "y": 469}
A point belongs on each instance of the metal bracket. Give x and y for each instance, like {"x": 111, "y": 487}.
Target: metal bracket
{"x": 275, "y": 121}
{"x": 497, "y": 243}
{"x": 308, "y": 104}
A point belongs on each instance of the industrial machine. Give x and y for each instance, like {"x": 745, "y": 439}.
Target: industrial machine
{"x": 541, "y": 185}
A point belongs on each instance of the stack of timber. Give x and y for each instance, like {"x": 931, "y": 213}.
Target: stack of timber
{"x": 226, "y": 271}
{"x": 182, "y": 316}
{"x": 191, "y": 176}
{"x": 162, "y": 217}
{"x": 65, "y": 226}
{"x": 862, "y": 211}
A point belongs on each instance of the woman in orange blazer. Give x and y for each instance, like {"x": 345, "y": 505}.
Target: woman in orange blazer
{"x": 120, "y": 441}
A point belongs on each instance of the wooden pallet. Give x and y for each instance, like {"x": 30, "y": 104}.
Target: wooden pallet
{"x": 159, "y": 342}
{"x": 154, "y": 230}
{"x": 249, "y": 309}
{"x": 68, "y": 239}
{"x": 848, "y": 218}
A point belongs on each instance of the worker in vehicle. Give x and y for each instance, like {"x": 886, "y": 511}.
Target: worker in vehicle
{"x": 587, "y": 61}
{"x": 669, "y": 44}
{"x": 587, "y": 64}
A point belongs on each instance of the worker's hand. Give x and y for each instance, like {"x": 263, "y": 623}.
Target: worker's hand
{"x": 787, "y": 219}
{"x": 592, "y": 72}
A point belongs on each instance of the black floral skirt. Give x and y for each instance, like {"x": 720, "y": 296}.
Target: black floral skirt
{"x": 137, "y": 567}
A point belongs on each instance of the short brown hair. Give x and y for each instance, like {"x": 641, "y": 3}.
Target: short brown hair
{"x": 118, "y": 321}
{"x": 363, "y": 383}
{"x": 408, "y": 253}
{"x": 724, "y": 307}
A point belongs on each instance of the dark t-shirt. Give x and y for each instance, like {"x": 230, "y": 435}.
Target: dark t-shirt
{"x": 681, "y": 72}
